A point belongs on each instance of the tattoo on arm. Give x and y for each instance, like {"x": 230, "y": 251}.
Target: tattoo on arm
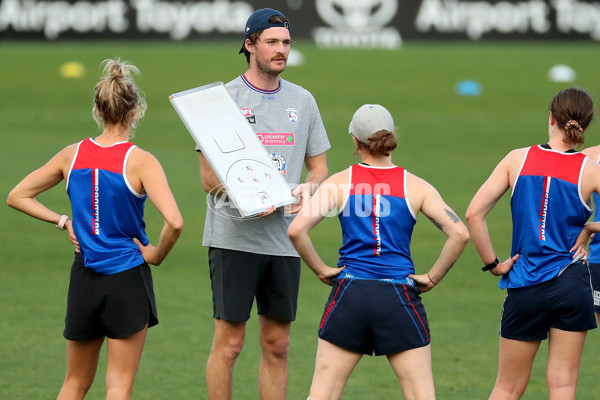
{"x": 452, "y": 215}
{"x": 437, "y": 225}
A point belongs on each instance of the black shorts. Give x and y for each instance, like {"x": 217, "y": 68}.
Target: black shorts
{"x": 564, "y": 303}
{"x": 238, "y": 277}
{"x": 595, "y": 273}
{"x": 372, "y": 316}
{"x": 115, "y": 306}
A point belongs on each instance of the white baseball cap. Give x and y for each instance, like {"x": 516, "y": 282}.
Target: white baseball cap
{"x": 369, "y": 119}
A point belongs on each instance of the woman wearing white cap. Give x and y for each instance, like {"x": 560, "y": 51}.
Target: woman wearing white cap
{"x": 375, "y": 306}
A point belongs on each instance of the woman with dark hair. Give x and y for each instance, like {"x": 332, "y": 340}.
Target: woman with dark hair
{"x": 110, "y": 291}
{"x": 375, "y": 305}
{"x": 547, "y": 281}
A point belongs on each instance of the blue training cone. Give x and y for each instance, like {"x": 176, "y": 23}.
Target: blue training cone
{"x": 468, "y": 88}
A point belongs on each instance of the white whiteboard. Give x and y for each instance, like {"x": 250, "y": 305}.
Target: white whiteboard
{"x": 232, "y": 148}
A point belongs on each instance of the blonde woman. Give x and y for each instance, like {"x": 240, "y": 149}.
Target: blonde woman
{"x": 108, "y": 180}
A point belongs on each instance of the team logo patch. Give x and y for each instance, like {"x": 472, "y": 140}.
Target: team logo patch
{"x": 249, "y": 114}
{"x": 279, "y": 162}
{"x": 292, "y": 114}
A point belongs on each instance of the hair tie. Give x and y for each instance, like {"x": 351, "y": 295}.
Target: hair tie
{"x": 431, "y": 280}
{"x": 573, "y": 124}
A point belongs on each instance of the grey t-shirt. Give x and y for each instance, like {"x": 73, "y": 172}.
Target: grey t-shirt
{"x": 288, "y": 122}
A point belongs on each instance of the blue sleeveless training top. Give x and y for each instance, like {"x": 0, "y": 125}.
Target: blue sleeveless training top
{"x": 377, "y": 223}
{"x": 547, "y": 215}
{"x": 107, "y": 212}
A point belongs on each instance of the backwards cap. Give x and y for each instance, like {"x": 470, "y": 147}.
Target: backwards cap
{"x": 370, "y": 119}
{"x": 259, "y": 20}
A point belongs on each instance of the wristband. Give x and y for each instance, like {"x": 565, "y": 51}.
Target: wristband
{"x": 61, "y": 222}
{"x": 491, "y": 265}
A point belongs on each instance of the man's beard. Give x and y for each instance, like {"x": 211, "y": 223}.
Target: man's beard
{"x": 264, "y": 68}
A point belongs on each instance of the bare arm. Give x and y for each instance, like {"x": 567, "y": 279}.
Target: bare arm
{"x": 590, "y": 184}
{"x": 23, "y": 196}
{"x": 482, "y": 203}
{"x": 446, "y": 220}
{"x": 317, "y": 173}
{"x": 325, "y": 199}
{"x": 592, "y": 152}
{"x": 154, "y": 182}
{"x": 210, "y": 181}
{"x": 586, "y": 233}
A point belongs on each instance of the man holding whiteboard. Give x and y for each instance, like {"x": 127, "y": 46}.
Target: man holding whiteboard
{"x": 253, "y": 257}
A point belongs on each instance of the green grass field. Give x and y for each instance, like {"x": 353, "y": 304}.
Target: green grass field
{"x": 452, "y": 141}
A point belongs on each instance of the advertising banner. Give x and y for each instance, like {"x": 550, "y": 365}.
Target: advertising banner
{"x": 329, "y": 23}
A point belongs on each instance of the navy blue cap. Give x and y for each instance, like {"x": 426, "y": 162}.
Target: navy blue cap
{"x": 259, "y": 20}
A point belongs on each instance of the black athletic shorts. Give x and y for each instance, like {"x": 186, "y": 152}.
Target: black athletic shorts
{"x": 237, "y": 277}
{"x": 374, "y": 316}
{"x": 564, "y": 302}
{"x": 115, "y": 306}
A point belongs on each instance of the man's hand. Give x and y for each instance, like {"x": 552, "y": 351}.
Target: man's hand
{"x": 302, "y": 192}
{"x": 268, "y": 211}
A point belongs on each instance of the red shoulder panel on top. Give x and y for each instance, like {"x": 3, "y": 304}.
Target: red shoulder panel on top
{"x": 92, "y": 155}
{"x": 565, "y": 166}
{"x": 382, "y": 181}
